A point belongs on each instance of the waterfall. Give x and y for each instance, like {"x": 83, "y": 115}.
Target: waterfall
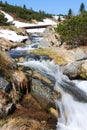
{"x": 73, "y": 105}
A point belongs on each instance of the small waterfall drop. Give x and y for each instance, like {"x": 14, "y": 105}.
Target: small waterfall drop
{"x": 73, "y": 113}
{"x": 73, "y": 105}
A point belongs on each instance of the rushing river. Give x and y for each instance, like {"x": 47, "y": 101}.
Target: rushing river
{"x": 73, "y": 105}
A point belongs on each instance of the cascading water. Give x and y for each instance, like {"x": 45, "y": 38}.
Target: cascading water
{"x": 73, "y": 113}
{"x": 73, "y": 104}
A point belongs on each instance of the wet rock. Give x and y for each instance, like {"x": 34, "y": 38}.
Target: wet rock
{"x": 54, "y": 112}
{"x": 71, "y": 69}
{"x": 17, "y": 54}
{"x": 4, "y": 84}
{"x": 6, "y": 105}
{"x": 10, "y": 109}
{"x": 43, "y": 93}
{"x": 45, "y": 57}
{"x": 82, "y": 72}
{"x": 20, "y": 82}
{"x": 76, "y": 69}
{"x": 32, "y": 57}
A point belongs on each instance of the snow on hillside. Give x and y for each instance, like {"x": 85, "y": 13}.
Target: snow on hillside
{"x": 12, "y": 36}
{"x": 47, "y": 22}
{"x": 57, "y": 16}
{"x": 22, "y": 24}
{"x": 19, "y": 24}
{"x": 9, "y": 17}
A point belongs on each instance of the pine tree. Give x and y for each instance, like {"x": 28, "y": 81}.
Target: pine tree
{"x": 59, "y": 19}
{"x": 70, "y": 13}
{"x": 82, "y": 8}
{"x": 24, "y": 6}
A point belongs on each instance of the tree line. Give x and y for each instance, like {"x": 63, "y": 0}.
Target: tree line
{"x": 74, "y": 29}
{"x": 23, "y": 13}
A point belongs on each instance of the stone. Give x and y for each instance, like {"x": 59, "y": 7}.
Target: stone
{"x": 80, "y": 54}
{"x": 43, "y": 43}
{"x": 54, "y": 112}
{"x": 6, "y": 105}
{"x": 6, "y": 45}
{"x": 72, "y": 68}
{"x": 43, "y": 93}
{"x": 82, "y": 72}
{"x": 20, "y": 82}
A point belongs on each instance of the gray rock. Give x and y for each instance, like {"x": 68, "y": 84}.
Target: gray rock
{"x": 43, "y": 93}
{"x": 5, "y": 85}
{"x": 71, "y": 69}
{"x": 43, "y": 44}
{"x": 80, "y": 54}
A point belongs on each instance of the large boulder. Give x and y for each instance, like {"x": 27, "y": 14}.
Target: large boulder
{"x": 44, "y": 44}
{"x": 60, "y": 56}
{"x": 71, "y": 69}
{"x": 6, "y": 45}
{"x": 42, "y": 90}
{"x": 77, "y": 68}
{"x": 51, "y": 36}
{"x": 80, "y": 54}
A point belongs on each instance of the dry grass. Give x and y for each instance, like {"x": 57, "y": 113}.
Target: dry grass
{"x": 55, "y": 53}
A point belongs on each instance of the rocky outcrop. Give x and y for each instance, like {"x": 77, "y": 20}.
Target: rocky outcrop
{"x": 51, "y": 37}
{"x": 71, "y": 69}
{"x": 42, "y": 90}
{"x": 44, "y": 43}
{"x": 6, "y": 45}
{"x": 80, "y": 55}
{"x": 77, "y": 68}
{"x": 59, "y": 55}
{"x": 20, "y": 82}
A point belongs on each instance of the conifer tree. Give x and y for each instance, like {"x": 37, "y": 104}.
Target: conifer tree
{"x": 82, "y": 8}
{"x": 70, "y": 13}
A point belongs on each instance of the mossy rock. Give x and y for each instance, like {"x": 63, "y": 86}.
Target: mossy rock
{"x": 58, "y": 58}
{"x": 83, "y": 71}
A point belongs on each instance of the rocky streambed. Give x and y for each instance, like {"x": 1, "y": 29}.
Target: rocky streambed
{"x": 27, "y": 92}
{"x": 26, "y": 96}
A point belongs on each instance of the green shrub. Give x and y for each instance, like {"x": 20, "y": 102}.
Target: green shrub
{"x": 3, "y": 20}
{"x": 74, "y": 30}
{"x": 24, "y": 13}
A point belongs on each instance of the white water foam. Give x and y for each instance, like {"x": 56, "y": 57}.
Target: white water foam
{"x": 73, "y": 114}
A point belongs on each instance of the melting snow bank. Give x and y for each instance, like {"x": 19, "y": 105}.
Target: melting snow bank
{"x": 12, "y": 36}
{"x": 9, "y": 17}
{"x": 45, "y": 22}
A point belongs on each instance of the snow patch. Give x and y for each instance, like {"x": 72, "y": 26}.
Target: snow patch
{"x": 12, "y": 36}
{"x": 9, "y": 17}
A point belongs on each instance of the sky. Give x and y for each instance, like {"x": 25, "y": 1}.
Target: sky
{"x": 50, "y": 6}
